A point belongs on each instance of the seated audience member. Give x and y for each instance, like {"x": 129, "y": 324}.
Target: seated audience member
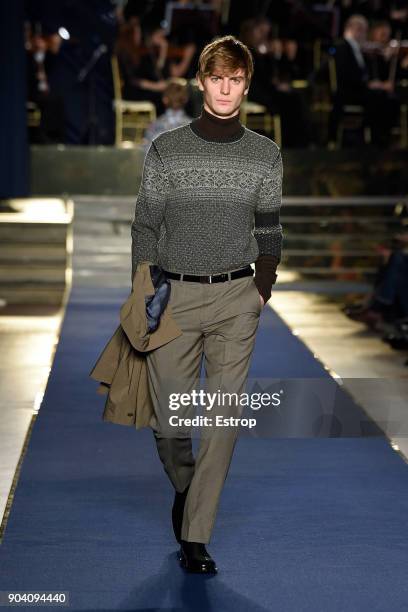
{"x": 39, "y": 52}
{"x": 401, "y": 51}
{"x": 190, "y": 35}
{"x": 355, "y": 87}
{"x": 389, "y": 298}
{"x": 288, "y": 66}
{"x": 402, "y": 69}
{"x": 399, "y": 17}
{"x": 175, "y": 97}
{"x": 144, "y": 67}
{"x": 380, "y": 55}
{"x": 268, "y": 90}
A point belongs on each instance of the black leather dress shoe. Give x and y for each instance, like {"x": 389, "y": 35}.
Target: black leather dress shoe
{"x": 177, "y": 512}
{"x": 195, "y": 558}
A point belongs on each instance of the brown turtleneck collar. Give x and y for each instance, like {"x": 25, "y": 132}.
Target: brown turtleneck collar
{"x": 217, "y": 129}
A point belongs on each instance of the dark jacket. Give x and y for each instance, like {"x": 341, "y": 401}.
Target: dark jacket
{"x": 351, "y": 78}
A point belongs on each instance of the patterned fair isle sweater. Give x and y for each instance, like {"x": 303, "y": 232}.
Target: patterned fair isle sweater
{"x": 206, "y": 206}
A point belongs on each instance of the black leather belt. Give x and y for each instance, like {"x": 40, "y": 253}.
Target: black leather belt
{"x": 212, "y": 278}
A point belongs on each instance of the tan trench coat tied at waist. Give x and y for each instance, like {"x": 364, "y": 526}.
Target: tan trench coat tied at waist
{"x": 121, "y": 367}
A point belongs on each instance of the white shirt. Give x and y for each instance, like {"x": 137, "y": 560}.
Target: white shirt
{"x": 357, "y": 52}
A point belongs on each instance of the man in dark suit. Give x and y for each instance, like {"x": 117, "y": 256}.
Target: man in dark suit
{"x": 355, "y": 87}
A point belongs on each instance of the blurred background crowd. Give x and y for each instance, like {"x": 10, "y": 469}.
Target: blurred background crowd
{"x": 320, "y": 68}
{"x": 327, "y": 75}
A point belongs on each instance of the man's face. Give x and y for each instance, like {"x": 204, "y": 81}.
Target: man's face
{"x": 359, "y": 31}
{"x": 381, "y": 34}
{"x": 223, "y": 92}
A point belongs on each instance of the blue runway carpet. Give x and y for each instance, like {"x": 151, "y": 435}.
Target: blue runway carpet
{"x": 313, "y": 524}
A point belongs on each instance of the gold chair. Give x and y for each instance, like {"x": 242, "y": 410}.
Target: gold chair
{"x": 33, "y": 114}
{"x": 256, "y": 117}
{"x": 402, "y": 129}
{"x": 317, "y": 54}
{"x": 129, "y": 114}
{"x": 300, "y": 84}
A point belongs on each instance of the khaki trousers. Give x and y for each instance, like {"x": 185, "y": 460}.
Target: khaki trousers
{"x": 219, "y": 323}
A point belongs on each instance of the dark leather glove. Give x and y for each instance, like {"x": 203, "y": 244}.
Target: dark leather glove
{"x": 155, "y": 304}
{"x": 265, "y": 274}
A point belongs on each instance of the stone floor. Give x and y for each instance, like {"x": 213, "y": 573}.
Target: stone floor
{"x": 369, "y": 369}
{"x": 28, "y": 338}
{"x": 374, "y": 374}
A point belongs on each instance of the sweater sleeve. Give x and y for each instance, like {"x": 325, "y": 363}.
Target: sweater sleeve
{"x": 149, "y": 209}
{"x": 268, "y": 230}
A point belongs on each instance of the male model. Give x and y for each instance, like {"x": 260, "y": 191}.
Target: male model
{"x": 208, "y": 207}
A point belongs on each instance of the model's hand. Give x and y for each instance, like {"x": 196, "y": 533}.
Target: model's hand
{"x": 262, "y": 300}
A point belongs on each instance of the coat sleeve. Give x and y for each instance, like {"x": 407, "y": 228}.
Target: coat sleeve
{"x": 149, "y": 209}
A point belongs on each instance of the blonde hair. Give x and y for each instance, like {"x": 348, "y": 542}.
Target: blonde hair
{"x": 228, "y": 54}
{"x": 177, "y": 92}
{"x": 354, "y": 20}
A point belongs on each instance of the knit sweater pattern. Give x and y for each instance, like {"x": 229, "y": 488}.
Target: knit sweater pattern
{"x": 208, "y": 207}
